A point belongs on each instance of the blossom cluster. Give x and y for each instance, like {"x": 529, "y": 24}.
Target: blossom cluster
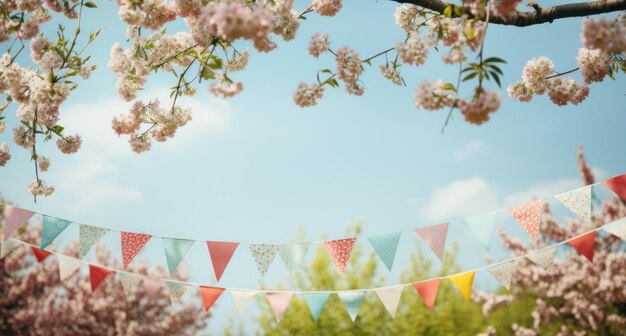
{"x": 307, "y": 94}
{"x": 349, "y": 69}
{"x": 163, "y": 124}
{"x": 601, "y": 38}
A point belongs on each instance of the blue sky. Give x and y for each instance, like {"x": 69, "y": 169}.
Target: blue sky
{"x": 256, "y": 167}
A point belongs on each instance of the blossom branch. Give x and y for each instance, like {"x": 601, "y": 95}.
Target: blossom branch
{"x": 524, "y": 19}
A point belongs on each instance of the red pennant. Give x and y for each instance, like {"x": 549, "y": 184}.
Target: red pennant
{"x": 97, "y": 274}
{"x": 40, "y": 254}
{"x": 132, "y": 243}
{"x": 210, "y": 295}
{"x": 529, "y": 217}
{"x": 585, "y": 244}
{"x": 339, "y": 251}
{"x": 428, "y": 291}
{"x": 220, "y": 253}
{"x": 617, "y": 185}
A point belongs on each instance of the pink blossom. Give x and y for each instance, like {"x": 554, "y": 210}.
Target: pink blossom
{"x": 535, "y": 73}
{"x": 477, "y": 110}
{"x": 5, "y": 154}
{"x": 391, "y": 74}
{"x": 349, "y": 69}
{"x": 604, "y": 35}
{"x": 327, "y": 7}
{"x": 433, "y": 96}
{"x": 318, "y": 44}
{"x": 70, "y": 144}
{"x": 405, "y": 16}
{"x": 225, "y": 88}
{"x": 40, "y": 188}
{"x": 307, "y": 95}
{"x": 505, "y": 7}
{"x": 593, "y": 64}
{"x": 43, "y": 163}
{"x": 140, "y": 144}
{"x": 520, "y": 92}
{"x": 413, "y": 51}
{"x": 23, "y": 137}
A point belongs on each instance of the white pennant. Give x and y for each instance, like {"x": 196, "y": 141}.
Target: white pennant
{"x": 242, "y": 299}
{"x": 390, "y": 297}
{"x": 504, "y": 273}
{"x": 67, "y": 266}
{"x": 8, "y": 246}
{"x": 543, "y": 258}
{"x": 176, "y": 290}
{"x": 617, "y": 228}
{"x": 579, "y": 202}
{"x": 129, "y": 283}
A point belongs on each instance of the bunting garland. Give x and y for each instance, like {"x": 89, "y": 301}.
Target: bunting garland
{"x": 339, "y": 250}
{"x": 385, "y": 245}
{"x": 352, "y": 299}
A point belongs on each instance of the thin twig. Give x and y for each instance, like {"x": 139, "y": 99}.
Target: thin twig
{"x": 562, "y": 73}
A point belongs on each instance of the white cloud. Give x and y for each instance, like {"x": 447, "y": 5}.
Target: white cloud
{"x": 467, "y": 150}
{"x": 473, "y": 196}
{"x": 460, "y": 199}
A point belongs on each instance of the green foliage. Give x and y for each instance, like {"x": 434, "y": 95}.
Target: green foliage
{"x": 452, "y": 314}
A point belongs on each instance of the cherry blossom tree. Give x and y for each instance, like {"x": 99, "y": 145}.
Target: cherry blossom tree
{"x": 208, "y": 52}
{"x": 34, "y": 301}
{"x": 573, "y": 296}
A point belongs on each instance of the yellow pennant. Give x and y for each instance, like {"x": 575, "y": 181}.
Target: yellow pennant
{"x": 463, "y": 283}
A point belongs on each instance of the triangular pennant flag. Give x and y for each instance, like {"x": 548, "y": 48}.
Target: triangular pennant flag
{"x": 316, "y": 302}
{"x": 579, "y": 201}
{"x": 617, "y": 228}
{"x": 352, "y": 301}
{"x": 97, "y": 274}
{"x": 87, "y": 236}
{"x": 210, "y": 295}
{"x": 129, "y": 282}
{"x": 543, "y": 258}
{"x": 67, "y": 266}
{"x": 435, "y": 237}
{"x": 464, "y": 283}
{"x": 242, "y": 299}
{"x": 220, "y": 253}
{"x": 151, "y": 286}
{"x": 428, "y": 291}
{"x": 279, "y": 301}
{"x": 176, "y": 290}
{"x": 132, "y": 243}
{"x": 617, "y": 185}
{"x": 263, "y": 255}
{"x": 14, "y": 218}
{"x": 175, "y": 251}
{"x": 51, "y": 228}
{"x": 503, "y": 273}
{"x": 386, "y": 246}
{"x": 482, "y": 227}
{"x": 8, "y": 246}
{"x": 529, "y": 217}
{"x": 339, "y": 251}
{"x": 390, "y": 297}
{"x": 293, "y": 255}
{"x": 40, "y": 254}
{"x": 585, "y": 244}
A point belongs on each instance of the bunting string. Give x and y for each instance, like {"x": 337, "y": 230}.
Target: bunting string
{"x": 528, "y": 216}
{"x": 583, "y": 243}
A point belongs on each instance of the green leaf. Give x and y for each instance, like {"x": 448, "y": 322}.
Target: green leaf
{"x": 449, "y": 86}
{"x": 328, "y": 71}
{"x": 496, "y": 78}
{"x": 496, "y": 69}
{"x": 90, "y": 4}
{"x": 494, "y": 60}
{"x": 448, "y": 12}
{"x": 470, "y": 76}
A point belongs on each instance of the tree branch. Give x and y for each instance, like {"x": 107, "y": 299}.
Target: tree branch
{"x": 524, "y": 19}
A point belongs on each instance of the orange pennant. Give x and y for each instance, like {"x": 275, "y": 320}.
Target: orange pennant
{"x": 529, "y": 217}
{"x": 210, "y": 295}
{"x": 428, "y": 291}
{"x": 617, "y": 185}
{"x": 585, "y": 244}
{"x": 132, "y": 243}
{"x": 97, "y": 274}
{"x": 40, "y": 254}
{"x": 221, "y": 253}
